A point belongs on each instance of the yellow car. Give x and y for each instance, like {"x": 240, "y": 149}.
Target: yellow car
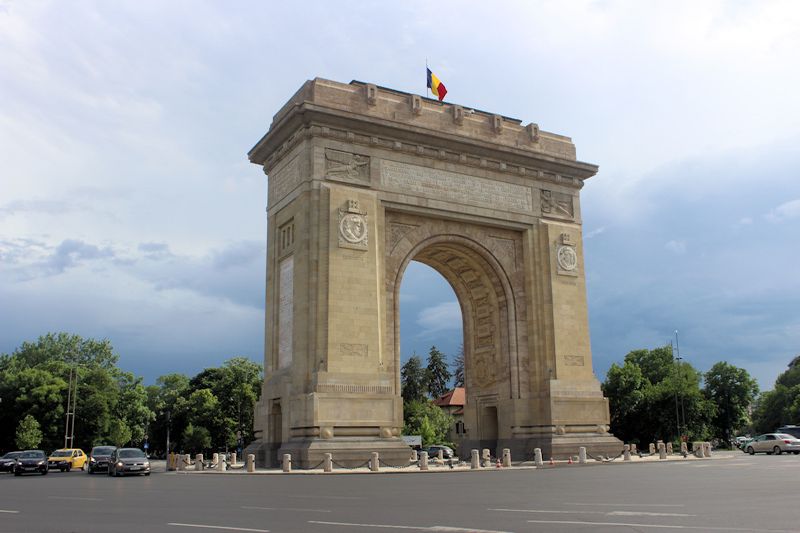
{"x": 66, "y": 459}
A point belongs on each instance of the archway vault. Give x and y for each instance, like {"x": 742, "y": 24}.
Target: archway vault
{"x": 363, "y": 180}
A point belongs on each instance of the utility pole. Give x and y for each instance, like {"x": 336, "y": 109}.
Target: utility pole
{"x": 677, "y": 416}
{"x": 72, "y": 400}
{"x": 168, "y": 424}
{"x": 683, "y": 411}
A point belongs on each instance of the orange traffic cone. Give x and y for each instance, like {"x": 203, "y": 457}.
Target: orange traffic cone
{"x": 498, "y": 463}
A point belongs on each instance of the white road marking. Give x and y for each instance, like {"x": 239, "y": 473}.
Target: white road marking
{"x": 9, "y": 512}
{"x": 414, "y": 528}
{"x": 628, "y": 504}
{"x": 326, "y": 497}
{"x": 659, "y": 526}
{"x": 611, "y": 513}
{"x": 75, "y": 498}
{"x": 286, "y": 509}
{"x": 228, "y": 528}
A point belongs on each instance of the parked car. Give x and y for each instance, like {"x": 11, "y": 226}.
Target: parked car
{"x": 8, "y": 461}
{"x": 99, "y": 458}
{"x": 792, "y": 430}
{"x": 31, "y": 461}
{"x": 128, "y": 461}
{"x": 776, "y": 443}
{"x": 433, "y": 451}
{"x": 66, "y": 459}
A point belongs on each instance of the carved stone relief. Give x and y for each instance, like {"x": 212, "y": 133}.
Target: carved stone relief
{"x": 557, "y": 204}
{"x": 573, "y": 360}
{"x": 344, "y": 166}
{"x": 353, "y": 230}
{"x": 397, "y": 231}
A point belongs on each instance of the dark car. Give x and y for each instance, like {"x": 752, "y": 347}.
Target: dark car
{"x": 128, "y": 461}
{"x": 99, "y": 458}
{"x": 433, "y": 451}
{"x": 8, "y": 461}
{"x": 30, "y": 462}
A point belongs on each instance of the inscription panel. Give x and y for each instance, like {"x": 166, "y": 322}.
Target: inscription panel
{"x": 455, "y": 187}
{"x": 283, "y": 181}
{"x": 285, "y": 311}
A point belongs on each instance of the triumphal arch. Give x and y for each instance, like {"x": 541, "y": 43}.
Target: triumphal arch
{"x": 363, "y": 180}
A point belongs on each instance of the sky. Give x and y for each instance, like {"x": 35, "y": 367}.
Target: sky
{"x": 129, "y": 211}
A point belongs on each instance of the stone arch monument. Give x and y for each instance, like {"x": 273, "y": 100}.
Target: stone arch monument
{"x": 363, "y": 180}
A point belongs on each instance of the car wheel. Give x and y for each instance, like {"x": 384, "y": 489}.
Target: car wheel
{"x": 17, "y": 473}
{"x": 147, "y": 473}
{"x": 777, "y": 450}
{"x": 750, "y": 450}
{"x": 44, "y": 472}
{"x": 68, "y": 467}
{"x": 795, "y": 453}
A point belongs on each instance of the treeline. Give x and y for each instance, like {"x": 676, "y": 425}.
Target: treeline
{"x": 652, "y": 396}
{"x": 212, "y": 410}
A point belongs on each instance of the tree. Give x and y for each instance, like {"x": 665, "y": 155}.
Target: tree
{"x": 458, "y": 368}
{"x": 29, "y": 435}
{"x": 196, "y": 438}
{"x": 119, "y": 433}
{"x": 781, "y": 405}
{"x": 732, "y": 390}
{"x": 413, "y": 380}
{"x": 421, "y": 417}
{"x": 651, "y": 395}
{"x": 437, "y": 374}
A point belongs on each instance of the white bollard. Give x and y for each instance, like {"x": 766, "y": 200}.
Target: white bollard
{"x": 181, "y": 462}
{"x": 251, "y": 462}
{"x": 684, "y": 448}
{"x": 287, "y": 462}
{"x": 327, "y": 464}
{"x": 414, "y": 456}
{"x": 440, "y": 455}
{"x": 669, "y": 448}
{"x": 582, "y": 455}
{"x": 233, "y": 458}
{"x": 697, "y": 448}
{"x": 634, "y": 449}
{"x": 486, "y": 458}
{"x": 662, "y": 451}
{"x": 537, "y": 456}
{"x": 626, "y": 452}
{"x": 652, "y": 448}
{"x": 506, "y": 457}
{"x": 423, "y": 461}
{"x": 474, "y": 463}
{"x": 707, "y": 449}
{"x": 374, "y": 462}
{"x": 198, "y": 461}
{"x": 215, "y": 460}
{"x": 221, "y": 466}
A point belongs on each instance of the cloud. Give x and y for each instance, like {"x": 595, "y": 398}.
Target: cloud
{"x": 676, "y": 247}
{"x": 785, "y": 211}
{"x": 445, "y": 316}
{"x": 594, "y": 233}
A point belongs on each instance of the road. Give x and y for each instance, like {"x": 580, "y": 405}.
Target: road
{"x": 742, "y": 493}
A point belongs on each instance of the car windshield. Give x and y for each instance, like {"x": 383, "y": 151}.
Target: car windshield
{"x": 11, "y": 455}
{"x": 61, "y": 453}
{"x": 103, "y": 450}
{"x": 32, "y": 455}
{"x": 130, "y": 454}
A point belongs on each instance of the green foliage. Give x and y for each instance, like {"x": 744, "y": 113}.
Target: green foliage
{"x": 781, "y": 405}
{"x": 421, "y": 417}
{"x": 642, "y": 396}
{"x": 458, "y": 368}
{"x": 413, "y": 378}
{"x": 28, "y": 434}
{"x": 437, "y": 374}
{"x": 119, "y": 433}
{"x": 196, "y": 438}
{"x": 732, "y": 391}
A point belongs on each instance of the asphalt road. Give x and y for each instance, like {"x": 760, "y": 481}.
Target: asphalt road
{"x": 743, "y": 493}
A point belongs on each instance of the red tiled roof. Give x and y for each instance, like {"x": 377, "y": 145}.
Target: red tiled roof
{"x": 455, "y": 397}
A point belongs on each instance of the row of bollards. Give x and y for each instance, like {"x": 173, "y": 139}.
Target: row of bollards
{"x": 219, "y": 462}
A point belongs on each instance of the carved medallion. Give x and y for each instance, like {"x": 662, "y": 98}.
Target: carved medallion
{"x": 567, "y": 258}
{"x": 353, "y": 231}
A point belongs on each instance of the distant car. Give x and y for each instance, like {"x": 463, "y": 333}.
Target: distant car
{"x": 773, "y": 443}
{"x": 128, "y": 461}
{"x": 8, "y": 461}
{"x": 66, "y": 459}
{"x": 791, "y": 430}
{"x": 433, "y": 451}
{"x": 31, "y": 461}
{"x": 99, "y": 458}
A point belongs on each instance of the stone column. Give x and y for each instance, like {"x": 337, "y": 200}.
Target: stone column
{"x": 487, "y": 458}
{"x": 582, "y": 455}
{"x": 684, "y": 448}
{"x": 506, "y": 457}
{"x": 287, "y": 462}
{"x": 374, "y": 462}
{"x": 198, "y": 461}
{"x": 537, "y": 456}
{"x": 423, "y": 461}
{"x": 414, "y": 456}
{"x": 221, "y": 466}
{"x": 626, "y": 452}
{"x": 473, "y": 459}
{"x": 662, "y": 451}
{"x": 251, "y": 462}
{"x": 327, "y": 464}
{"x": 652, "y": 448}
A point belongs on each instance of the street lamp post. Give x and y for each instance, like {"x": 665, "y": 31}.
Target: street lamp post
{"x": 683, "y": 411}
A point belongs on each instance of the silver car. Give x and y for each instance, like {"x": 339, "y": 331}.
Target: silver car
{"x": 776, "y": 443}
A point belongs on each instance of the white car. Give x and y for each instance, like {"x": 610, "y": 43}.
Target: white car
{"x": 776, "y": 443}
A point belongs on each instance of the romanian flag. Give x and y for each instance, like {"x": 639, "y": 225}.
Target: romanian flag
{"x": 436, "y": 87}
